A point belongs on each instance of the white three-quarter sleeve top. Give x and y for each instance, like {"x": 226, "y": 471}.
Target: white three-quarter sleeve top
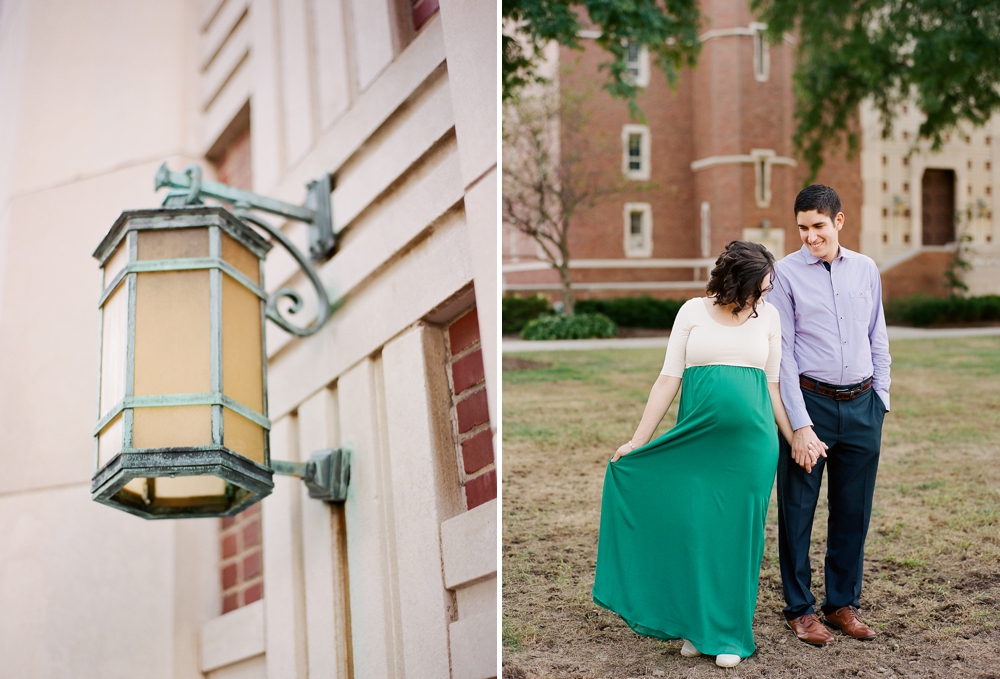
{"x": 698, "y": 339}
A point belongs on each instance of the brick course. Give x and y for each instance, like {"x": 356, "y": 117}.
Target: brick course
{"x": 717, "y": 109}
{"x": 471, "y": 417}
{"x": 241, "y": 569}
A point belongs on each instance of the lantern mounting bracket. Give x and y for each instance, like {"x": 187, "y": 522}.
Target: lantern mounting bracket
{"x": 316, "y": 212}
{"x": 189, "y": 188}
{"x": 326, "y": 474}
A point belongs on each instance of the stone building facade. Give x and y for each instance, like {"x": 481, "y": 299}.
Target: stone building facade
{"x": 396, "y": 101}
{"x": 714, "y": 161}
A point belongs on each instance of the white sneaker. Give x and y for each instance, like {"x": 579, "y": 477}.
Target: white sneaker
{"x": 689, "y": 651}
{"x": 727, "y": 660}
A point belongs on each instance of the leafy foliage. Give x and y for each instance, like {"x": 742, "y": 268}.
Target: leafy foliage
{"x": 577, "y": 326}
{"x": 667, "y": 28}
{"x": 921, "y": 310}
{"x": 635, "y": 312}
{"x": 941, "y": 55}
{"x": 516, "y": 311}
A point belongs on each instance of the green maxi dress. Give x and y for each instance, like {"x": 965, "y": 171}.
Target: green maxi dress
{"x": 682, "y": 518}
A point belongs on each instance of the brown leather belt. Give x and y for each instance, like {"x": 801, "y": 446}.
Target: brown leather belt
{"x": 837, "y": 393}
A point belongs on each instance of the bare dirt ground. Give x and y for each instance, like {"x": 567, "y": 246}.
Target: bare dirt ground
{"x": 932, "y": 568}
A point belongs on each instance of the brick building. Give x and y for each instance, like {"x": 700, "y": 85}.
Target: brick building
{"x": 395, "y": 101}
{"x": 714, "y": 162}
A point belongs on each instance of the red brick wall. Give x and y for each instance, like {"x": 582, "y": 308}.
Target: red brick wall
{"x": 471, "y": 415}
{"x": 241, "y": 569}
{"x": 717, "y": 109}
{"x": 233, "y": 164}
{"x": 921, "y": 273}
{"x": 422, "y": 11}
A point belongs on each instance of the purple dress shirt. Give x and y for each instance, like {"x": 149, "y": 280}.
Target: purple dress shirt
{"x": 832, "y": 325}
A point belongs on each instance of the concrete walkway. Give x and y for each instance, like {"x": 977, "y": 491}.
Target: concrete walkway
{"x": 514, "y": 346}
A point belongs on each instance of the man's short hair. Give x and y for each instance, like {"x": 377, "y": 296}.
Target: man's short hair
{"x": 820, "y": 198}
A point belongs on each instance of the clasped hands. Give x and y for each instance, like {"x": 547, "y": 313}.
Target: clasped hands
{"x": 807, "y": 448}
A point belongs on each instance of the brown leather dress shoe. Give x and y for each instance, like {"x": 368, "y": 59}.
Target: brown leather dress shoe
{"x": 809, "y": 629}
{"x": 846, "y": 620}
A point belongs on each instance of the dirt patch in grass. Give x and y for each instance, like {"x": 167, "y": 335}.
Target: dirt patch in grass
{"x": 515, "y": 363}
{"x": 932, "y": 567}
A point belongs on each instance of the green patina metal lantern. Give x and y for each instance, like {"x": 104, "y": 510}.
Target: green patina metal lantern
{"x": 182, "y": 426}
{"x": 183, "y": 422}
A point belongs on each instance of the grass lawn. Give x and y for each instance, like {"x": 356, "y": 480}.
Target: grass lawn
{"x": 932, "y": 566}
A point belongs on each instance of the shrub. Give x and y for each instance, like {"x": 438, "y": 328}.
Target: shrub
{"x": 516, "y": 311}
{"x": 634, "y": 312}
{"x": 577, "y": 326}
{"x": 921, "y": 310}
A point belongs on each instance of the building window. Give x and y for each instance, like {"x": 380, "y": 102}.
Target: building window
{"x": 635, "y": 151}
{"x": 762, "y": 175}
{"x": 637, "y": 63}
{"x": 761, "y": 56}
{"x": 638, "y": 230}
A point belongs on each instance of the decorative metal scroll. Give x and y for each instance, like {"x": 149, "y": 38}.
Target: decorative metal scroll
{"x": 189, "y": 190}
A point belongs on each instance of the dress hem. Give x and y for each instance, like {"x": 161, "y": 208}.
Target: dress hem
{"x": 647, "y": 631}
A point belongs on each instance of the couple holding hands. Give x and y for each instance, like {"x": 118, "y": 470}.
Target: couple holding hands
{"x": 682, "y": 517}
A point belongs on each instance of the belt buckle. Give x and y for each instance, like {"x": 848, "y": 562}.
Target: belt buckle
{"x": 844, "y": 394}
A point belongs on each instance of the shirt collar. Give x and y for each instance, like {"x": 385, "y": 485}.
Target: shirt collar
{"x": 812, "y": 259}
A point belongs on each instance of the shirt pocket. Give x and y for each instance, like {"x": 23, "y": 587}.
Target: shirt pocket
{"x": 861, "y": 305}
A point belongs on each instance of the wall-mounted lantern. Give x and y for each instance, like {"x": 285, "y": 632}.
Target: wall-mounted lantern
{"x": 182, "y": 426}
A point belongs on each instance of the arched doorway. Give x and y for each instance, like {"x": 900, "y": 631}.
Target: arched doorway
{"x": 938, "y": 192}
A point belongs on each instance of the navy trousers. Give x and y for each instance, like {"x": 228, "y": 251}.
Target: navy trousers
{"x": 853, "y": 432}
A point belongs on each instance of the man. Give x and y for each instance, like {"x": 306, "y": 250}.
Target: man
{"x": 835, "y": 387}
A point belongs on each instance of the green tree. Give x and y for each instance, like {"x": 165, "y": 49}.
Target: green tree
{"x": 940, "y": 55}
{"x": 667, "y": 28}
{"x": 549, "y": 176}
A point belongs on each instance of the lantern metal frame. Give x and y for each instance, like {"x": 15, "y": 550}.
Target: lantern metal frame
{"x": 327, "y": 473}
{"x": 189, "y": 189}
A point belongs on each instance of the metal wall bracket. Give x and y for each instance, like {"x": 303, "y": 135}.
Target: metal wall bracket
{"x": 326, "y": 474}
{"x": 189, "y": 189}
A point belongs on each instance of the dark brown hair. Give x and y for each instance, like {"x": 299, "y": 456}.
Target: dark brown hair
{"x": 820, "y": 198}
{"x": 737, "y": 275}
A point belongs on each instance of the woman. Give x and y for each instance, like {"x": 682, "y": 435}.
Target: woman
{"x": 682, "y": 517}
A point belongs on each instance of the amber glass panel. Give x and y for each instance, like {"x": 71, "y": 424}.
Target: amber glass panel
{"x": 202, "y": 492}
{"x": 138, "y": 486}
{"x": 243, "y": 436}
{"x": 241, "y": 258}
{"x": 173, "y": 333}
{"x": 189, "y": 486}
{"x": 109, "y": 441}
{"x": 114, "y": 337}
{"x": 242, "y": 366}
{"x": 173, "y": 243}
{"x": 116, "y": 262}
{"x": 172, "y": 427}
